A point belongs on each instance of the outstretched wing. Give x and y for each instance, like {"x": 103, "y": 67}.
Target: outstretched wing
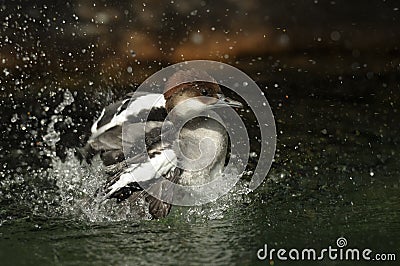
{"x": 151, "y": 173}
{"x": 128, "y": 137}
{"x": 146, "y": 172}
{"x": 134, "y": 110}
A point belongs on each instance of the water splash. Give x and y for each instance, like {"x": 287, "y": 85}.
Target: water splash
{"x": 68, "y": 187}
{"x": 77, "y": 185}
{"x": 217, "y": 209}
{"x": 77, "y": 182}
{"x": 52, "y": 136}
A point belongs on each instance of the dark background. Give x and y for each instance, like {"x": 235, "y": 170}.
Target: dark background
{"x": 72, "y": 41}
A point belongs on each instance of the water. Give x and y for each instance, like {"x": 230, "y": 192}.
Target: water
{"x": 336, "y": 174}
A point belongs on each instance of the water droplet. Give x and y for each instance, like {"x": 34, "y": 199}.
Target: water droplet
{"x": 6, "y": 72}
{"x": 335, "y": 36}
{"x": 371, "y": 173}
{"x": 253, "y": 154}
{"x": 14, "y": 118}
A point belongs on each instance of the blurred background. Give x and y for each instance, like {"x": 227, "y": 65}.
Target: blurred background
{"x": 329, "y": 69}
{"x": 121, "y": 42}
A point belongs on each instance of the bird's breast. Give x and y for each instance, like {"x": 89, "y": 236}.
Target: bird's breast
{"x": 203, "y": 146}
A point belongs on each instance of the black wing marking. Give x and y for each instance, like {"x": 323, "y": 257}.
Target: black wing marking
{"x": 128, "y": 109}
{"x": 163, "y": 189}
{"x": 107, "y": 130}
{"x": 128, "y": 118}
{"x": 129, "y": 188}
{"x": 143, "y": 169}
{"x": 157, "y": 208}
{"x": 116, "y": 109}
{"x": 109, "y": 144}
{"x": 112, "y": 111}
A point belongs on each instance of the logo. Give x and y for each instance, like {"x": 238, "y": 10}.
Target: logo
{"x": 340, "y": 252}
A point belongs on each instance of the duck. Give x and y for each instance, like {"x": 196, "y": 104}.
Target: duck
{"x": 129, "y": 135}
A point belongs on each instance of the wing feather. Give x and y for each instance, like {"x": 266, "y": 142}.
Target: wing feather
{"x": 137, "y": 112}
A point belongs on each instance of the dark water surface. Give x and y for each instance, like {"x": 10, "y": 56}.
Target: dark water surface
{"x": 336, "y": 174}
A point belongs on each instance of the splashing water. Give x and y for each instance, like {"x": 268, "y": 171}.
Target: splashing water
{"x": 77, "y": 185}
{"x": 68, "y": 188}
{"x": 215, "y": 210}
{"x": 52, "y": 136}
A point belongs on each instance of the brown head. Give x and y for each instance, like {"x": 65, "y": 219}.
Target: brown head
{"x": 186, "y": 84}
{"x": 194, "y": 91}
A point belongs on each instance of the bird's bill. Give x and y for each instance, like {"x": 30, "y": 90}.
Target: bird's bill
{"x": 225, "y": 101}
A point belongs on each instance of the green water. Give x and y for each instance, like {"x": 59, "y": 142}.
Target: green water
{"x": 336, "y": 174}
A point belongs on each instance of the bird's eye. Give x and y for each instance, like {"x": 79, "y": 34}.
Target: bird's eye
{"x": 204, "y": 92}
